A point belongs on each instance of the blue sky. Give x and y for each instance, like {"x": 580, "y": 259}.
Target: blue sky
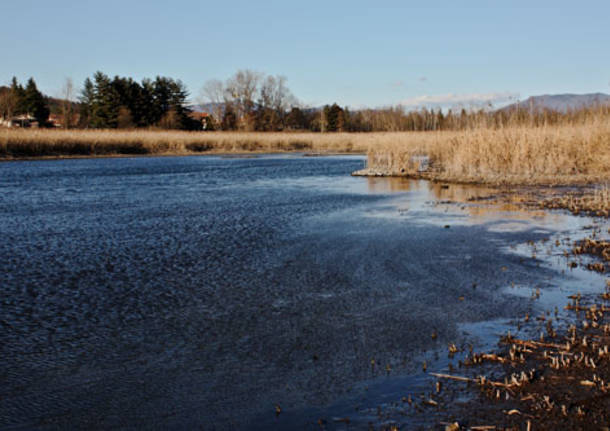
{"x": 356, "y": 53}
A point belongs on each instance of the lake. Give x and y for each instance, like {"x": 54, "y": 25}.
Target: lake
{"x": 204, "y": 292}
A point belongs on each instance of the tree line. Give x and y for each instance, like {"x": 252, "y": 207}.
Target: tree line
{"x": 247, "y": 101}
{"x": 103, "y": 103}
{"x": 123, "y": 103}
{"x": 250, "y": 101}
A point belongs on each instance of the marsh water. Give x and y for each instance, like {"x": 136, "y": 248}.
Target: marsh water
{"x": 207, "y": 292}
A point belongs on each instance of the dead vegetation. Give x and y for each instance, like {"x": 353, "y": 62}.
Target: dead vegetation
{"x": 589, "y": 202}
{"x": 575, "y": 152}
{"x": 586, "y": 200}
{"x": 555, "y": 382}
{"x": 599, "y": 248}
{"x": 32, "y": 143}
{"x": 554, "y": 376}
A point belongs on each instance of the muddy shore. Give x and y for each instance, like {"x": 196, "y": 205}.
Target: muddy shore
{"x": 556, "y": 375}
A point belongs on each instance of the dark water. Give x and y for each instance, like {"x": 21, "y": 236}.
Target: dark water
{"x": 187, "y": 293}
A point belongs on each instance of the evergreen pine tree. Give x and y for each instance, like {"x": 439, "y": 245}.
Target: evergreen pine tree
{"x": 145, "y": 104}
{"x": 440, "y": 120}
{"x": 170, "y": 95}
{"x": 229, "y": 119}
{"x": 106, "y": 103}
{"x": 87, "y": 99}
{"x": 296, "y": 119}
{"x": 34, "y": 103}
{"x": 334, "y": 118}
{"x": 17, "y": 93}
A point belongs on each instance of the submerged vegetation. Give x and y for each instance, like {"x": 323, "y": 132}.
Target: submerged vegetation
{"x": 554, "y": 375}
{"x": 556, "y": 381}
{"x": 559, "y": 379}
{"x": 594, "y": 247}
{"x": 594, "y": 202}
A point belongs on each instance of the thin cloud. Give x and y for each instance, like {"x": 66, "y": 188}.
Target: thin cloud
{"x": 423, "y": 79}
{"x": 398, "y": 84}
{"x": 466, "y": 100}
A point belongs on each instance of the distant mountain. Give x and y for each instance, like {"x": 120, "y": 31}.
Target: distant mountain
{"x": 207, "y": 107}
{"x": 560, "y": 102}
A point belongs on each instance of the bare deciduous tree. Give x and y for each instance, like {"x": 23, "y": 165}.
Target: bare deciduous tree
{"x": 213, "y": 92}
{"x": 67, "y": 111}
{"x": 242, "y": 90}
{"x": 257, "y": 102}
{"x": 8, "y": 103}
{"x": 276, "y": 95}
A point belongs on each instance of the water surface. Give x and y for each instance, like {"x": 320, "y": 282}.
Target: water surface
{"x": 189, "y": 292}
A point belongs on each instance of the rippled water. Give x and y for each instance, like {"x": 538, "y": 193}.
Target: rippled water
{"x": 202, "y": 292}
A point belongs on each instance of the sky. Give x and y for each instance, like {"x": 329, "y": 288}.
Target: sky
{"x": 356, "y": 53}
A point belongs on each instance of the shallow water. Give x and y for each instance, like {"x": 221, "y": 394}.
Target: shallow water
{"x": 202, "y": 292}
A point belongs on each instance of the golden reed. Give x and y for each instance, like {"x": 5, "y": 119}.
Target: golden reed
{"x": 574, "y": 151}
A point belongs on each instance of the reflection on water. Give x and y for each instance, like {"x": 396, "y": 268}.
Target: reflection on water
{"x": 426, "y": 192}
{"x": 463, "y": 204}
{"x": 439, "y": 191}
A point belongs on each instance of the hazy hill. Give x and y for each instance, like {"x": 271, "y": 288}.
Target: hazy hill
{"x": 208, "y": 107}
{"x": 561, "y": 102}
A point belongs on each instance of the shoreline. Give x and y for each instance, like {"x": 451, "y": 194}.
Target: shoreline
{"x": 212, "y": 153}
{"x": 576, "y": 181}
{"x": 556, "y": 380}
{"x": 498, "y": 181}
{"x": 552, "y": 372}
{"x": 465, "y": 396}
{"x": 571, "y": 153}
{"x": 552, "y": 380}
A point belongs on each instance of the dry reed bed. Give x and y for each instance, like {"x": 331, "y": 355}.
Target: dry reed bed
{"x": 568, "y": 153}
{"x": 516, "y": 154}
{"x": 15, "y": 143}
